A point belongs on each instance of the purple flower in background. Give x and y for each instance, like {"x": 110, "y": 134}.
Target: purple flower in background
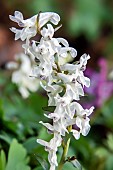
{"x": 101, "y": 88}
{"x": 94, "y": 80}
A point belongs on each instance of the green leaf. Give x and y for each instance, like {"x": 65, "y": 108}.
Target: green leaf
{"x": 30, "y": 144}
{"x": 38, "y": 168}
{"x": 42, "y": 162}
{"x": 17, "y": 157}
{"x": 106, "y": 110}
{"x": 43, "y": 5}
{"x": 87, "y": 18}
{"x": 101, "y": 152}
{"x": 1, "y": 109}
{"x": 109, "y": 162}
{"x": 109, "y": 141}
{"x": 37, "y": 106}
{"x": 6, "y": 137}
{"x": 2, "y": 160}
{"x": 49, "y": 108}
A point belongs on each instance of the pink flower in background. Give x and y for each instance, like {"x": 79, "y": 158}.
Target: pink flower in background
{"x": 101, "y": 88}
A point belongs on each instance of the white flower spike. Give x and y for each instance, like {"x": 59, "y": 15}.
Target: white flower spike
{"x": 63, "y": 82}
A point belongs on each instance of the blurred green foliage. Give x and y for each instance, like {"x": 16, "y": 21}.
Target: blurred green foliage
{"x": 88, "y": 18}
{"x": 16, "y": 158}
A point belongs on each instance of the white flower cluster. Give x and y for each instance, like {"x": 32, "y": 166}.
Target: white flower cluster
{"x": 20, "y": 76}
{"x": 63, "y": 82}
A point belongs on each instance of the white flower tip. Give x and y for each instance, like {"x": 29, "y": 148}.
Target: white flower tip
{"x": 86, "y": 130}
{"x": 76, "y": 134}
{"x": 12, "y": 65}
{"x": 88, "y": 57}
{"x": 17, "y": 13}
{"x": 45, "y": 115}
{"x": 92, "y": 108}
{"x": 73, "y": 53}
{"x": 37, "y": 140}
{"x": 10, "y": 16}
{"x": 12, "y": 29}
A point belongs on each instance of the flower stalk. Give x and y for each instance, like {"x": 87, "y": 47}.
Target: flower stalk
{"x": 64, "y": 154}
{"x": 65, "y": 146}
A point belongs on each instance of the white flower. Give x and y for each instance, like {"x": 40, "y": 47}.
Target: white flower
{"x": 20, "y": 76}
{"x": 42, "y": 72}
{"x": 73, "y": 88}
{"x": 52, "y": 148}
{"x": 76, "y": 133}
{"x": 44, "y": 52}
{"x": 65, "y": 50}
{"x": 12, "y": 65}
{"x": 45, "y": 17}
{"x": 53, "y": 93}
{"x": 48, "y": 32}
{"x": 62, "y": 118}
{"x": 31, "y": 25}
{"x": 78, "y": 69}
{"x": 63, "y": 42}
{"x": 18, "y": 17}
{"x": 59, "y": 117}
{"x": 82, "y": 120}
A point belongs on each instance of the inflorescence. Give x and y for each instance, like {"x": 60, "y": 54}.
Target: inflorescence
{"x": 63, "y": 82}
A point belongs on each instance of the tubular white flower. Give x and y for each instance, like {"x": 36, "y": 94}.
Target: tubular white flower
{"x": 63, "y": 42}
{"x": 48, "y": 32}
{"x": 65, "y": 50}
{"x": 52, "y": 148}
{"x": 73, "y": 88}
{"x": 45, "y": 17}
{"x": 18, "y": 17}
{"x": 76, "y": 133}
{"x": 77, "y": 70}
{"x": 31, "y": 25}
{"x": 82, "y": 119}
{"x": 53, "y": 93}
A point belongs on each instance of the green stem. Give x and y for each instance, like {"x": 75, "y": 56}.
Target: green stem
{"x": 64, "y": 154}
